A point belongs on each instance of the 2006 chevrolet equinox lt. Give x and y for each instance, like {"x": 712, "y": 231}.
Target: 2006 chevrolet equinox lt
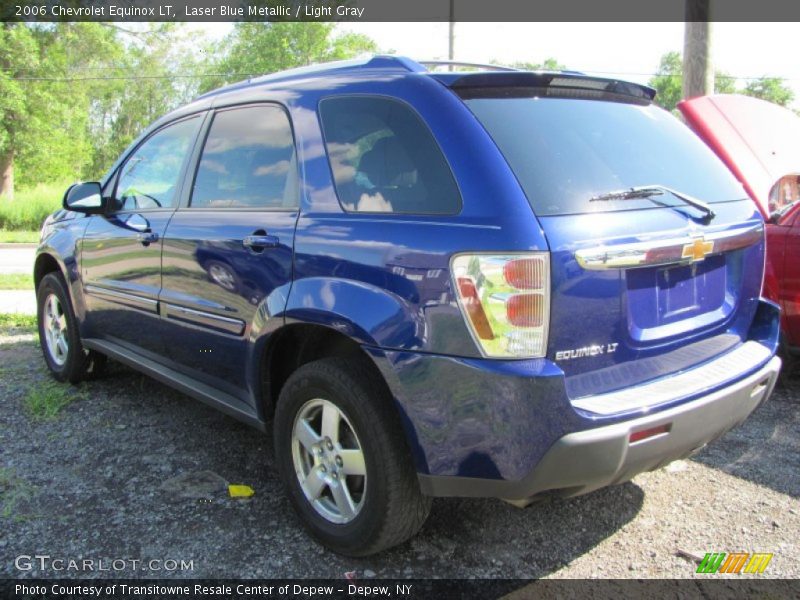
{"x": 486, "y": 283}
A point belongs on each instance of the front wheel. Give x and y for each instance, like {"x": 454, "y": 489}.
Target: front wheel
{"x": 343, "y": 458}
{"x": 58, "y": 334}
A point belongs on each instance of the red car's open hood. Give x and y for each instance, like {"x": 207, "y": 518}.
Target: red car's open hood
{"x": 758, "y": 140}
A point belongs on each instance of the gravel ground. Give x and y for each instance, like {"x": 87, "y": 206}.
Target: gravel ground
{"x": 90, "y": 483}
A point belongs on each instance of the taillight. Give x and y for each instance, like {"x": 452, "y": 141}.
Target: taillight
{"x": 505, "y": 300}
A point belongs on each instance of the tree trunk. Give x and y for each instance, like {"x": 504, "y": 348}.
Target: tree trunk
{"x": 7, "y": 174}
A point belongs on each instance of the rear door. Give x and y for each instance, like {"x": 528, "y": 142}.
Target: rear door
{"x": 121, "y": 250}
{"x": 641, "y": 286}
{"x": 228, "y": 252}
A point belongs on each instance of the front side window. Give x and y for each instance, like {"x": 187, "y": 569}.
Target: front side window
{"x": 384, "y": 158}
{"x": 248, "y": 161}
{"x": 149, "y": 178}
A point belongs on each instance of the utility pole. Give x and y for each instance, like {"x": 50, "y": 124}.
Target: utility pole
{"x": 698, "y": 71}
{"x": 451, "y": 53}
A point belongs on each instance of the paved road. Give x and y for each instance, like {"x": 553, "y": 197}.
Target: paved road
{"x": 18, "y": 301}
{"x": 17, "y": 258}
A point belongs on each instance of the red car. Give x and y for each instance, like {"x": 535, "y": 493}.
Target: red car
{"x": 760, "y": 143}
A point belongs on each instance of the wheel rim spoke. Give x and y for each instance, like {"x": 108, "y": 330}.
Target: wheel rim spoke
{"x": 306, "y": 435}
{"x": 313, "y": 484}
{"x": 52, "y": 309}
{"x": 344, "y": 502}
{"x": 353, "y": 462}
{"x": 330, "y": 422}
{"x": 61, "y": 344}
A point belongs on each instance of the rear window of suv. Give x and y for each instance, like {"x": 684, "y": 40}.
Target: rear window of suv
{"x": 565, "y": 151}
{"x": 385, "y": 159}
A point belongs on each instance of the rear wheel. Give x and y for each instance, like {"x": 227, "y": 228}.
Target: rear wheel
{"x": 58, "y": 334}
{"x": 344, "y": 460}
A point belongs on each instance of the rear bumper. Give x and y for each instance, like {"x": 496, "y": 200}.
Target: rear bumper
{"x": 584, "y": 461}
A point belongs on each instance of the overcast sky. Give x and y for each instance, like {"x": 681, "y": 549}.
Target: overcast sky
{"x": 628, "y": 50}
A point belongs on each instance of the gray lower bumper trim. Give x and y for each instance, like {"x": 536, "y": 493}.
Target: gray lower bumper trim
{"x": 587, "y": 460}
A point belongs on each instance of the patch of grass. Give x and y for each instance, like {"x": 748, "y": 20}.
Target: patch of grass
{"x": 13, "y": 322}
{"x": 13, "y": 490}
{"x": 19, "y": 237}
{"x": 16, "y": 281}
{"x": 45, "y": 400}
{"x": 30, "y": 206}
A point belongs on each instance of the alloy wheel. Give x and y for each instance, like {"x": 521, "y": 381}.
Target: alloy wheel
{"x": 55, "y": 330}
{"x": 329, "y": 461}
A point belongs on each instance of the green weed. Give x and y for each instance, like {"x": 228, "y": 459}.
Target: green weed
{"x": 45, "y": 400}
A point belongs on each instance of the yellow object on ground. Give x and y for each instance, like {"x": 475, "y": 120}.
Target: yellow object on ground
{"x": 240, "y": 491}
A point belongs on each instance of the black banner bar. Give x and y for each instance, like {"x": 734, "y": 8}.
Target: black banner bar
{"x": 399, "y": 10}
{"x": 409, "y": 589}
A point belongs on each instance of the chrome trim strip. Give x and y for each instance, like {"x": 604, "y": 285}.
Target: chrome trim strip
{"x": 671, "y": 387}
{"x": 198, "y": 317}
{"x": 667, "y": 251}
{"x": 146, "y": 304}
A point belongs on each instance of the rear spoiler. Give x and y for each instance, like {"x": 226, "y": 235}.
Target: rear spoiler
{"x": 556, "y": 83}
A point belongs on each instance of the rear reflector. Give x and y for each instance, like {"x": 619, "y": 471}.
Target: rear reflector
{"x": 472, "y": 304}
{"x": 638, "y": 436}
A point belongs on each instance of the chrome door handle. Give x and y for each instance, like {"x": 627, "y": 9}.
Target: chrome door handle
{"x": 147, "y": 238}
{"x": 260, "y": 241}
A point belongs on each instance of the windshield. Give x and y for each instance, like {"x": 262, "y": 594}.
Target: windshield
{"x": 566, "y": 151}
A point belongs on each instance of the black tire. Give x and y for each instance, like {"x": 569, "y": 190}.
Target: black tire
{"x": 392, "y": 507}
{"x": 788, "y": 375}
{"x": 75, "y": 364}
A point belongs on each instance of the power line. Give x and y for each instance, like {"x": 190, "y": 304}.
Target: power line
{"x": 246, "y": 75}
{"x": 132, "y": 77}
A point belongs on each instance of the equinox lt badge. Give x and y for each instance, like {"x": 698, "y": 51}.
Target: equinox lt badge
{"x": 595, "y": 350}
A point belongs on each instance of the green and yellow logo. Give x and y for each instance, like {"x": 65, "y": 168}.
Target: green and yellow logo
{"x": 735, "y": 562}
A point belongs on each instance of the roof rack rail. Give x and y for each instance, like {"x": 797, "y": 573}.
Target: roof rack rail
{"x": 459, "y": 63}
{"x": 377, "y": 61}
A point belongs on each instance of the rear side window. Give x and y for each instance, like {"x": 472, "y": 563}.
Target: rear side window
{"x": 384, "y": 158}
{"x": 564, "y": 151}
{"x": 248, "y": 161}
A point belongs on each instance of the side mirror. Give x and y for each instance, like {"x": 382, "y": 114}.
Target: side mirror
{"x": 85, "y": 198}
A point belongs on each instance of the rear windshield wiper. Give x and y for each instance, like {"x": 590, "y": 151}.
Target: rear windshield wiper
{"x": 647, "y": 191}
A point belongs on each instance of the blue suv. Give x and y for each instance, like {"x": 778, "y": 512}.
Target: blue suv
{"x": 484, "y": 283}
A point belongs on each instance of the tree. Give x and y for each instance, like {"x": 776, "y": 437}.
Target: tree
{"x": 549, "y": 64}
{"x": 668, "y": 83}
{"x": 74, "y": 95}
{"x": 149, "y": 80}
{"x": 19, "y": 56}
{"x": 254, "y": 49}
{"x": 44, "y": 114}
{"x": 771, "y": 89}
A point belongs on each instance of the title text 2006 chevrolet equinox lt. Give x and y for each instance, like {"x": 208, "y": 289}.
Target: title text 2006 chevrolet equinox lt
{"x": 486, "y": 283}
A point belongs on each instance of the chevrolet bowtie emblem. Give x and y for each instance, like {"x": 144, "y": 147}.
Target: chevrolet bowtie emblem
{"x": 698, "y": 249}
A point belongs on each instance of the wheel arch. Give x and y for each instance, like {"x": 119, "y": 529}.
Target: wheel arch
{"x": 297, "y": 344}
{"x": 46, "y": 263}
